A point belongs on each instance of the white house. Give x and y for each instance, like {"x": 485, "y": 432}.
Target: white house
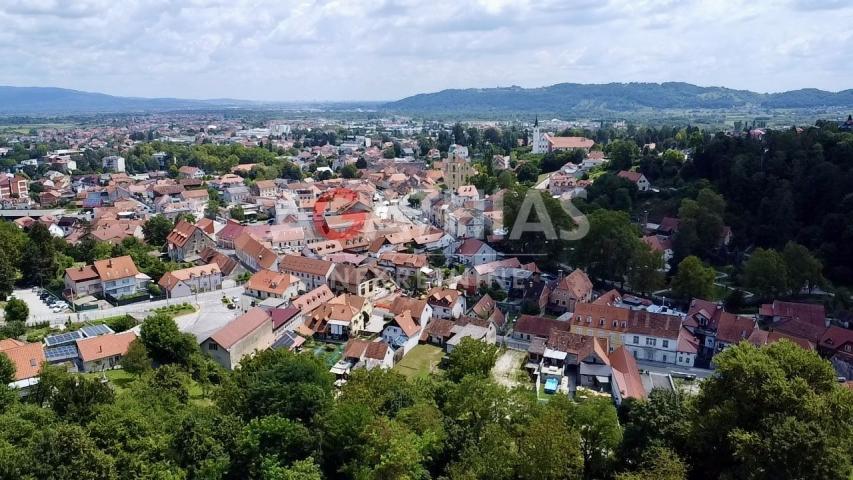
{"x": 193, "y": 280}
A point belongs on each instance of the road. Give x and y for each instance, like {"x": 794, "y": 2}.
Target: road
{"x": 669, "y": 369}
{"x": 208, "y": 301}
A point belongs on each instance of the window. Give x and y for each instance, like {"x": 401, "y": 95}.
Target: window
{"x": 615, "y": 323}
{"x": 636, "y": 340}
{"x": 666, "y": 344}
{"x": 601, "y": 322}
{"x": 651, "y": 341}
{"x": 212, "y": 346}
{"x": 664, "y": 358}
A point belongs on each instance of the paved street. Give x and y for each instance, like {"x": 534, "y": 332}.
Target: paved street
{"x": 208, "y": 301}
{"x": 674, "y": 370}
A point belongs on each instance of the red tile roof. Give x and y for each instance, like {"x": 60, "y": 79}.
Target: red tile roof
{"x": 626, "y": 374}
{"x": 239, "y": 328}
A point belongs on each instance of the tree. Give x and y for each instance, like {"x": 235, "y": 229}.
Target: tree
{"x": 70, "y": 396}
{"x": 803, "y": 269}
{"x": 388, "y": 153}
{"x": 622, "y": 154}
{"x": 237, "y": 213}
{"x": 8, "y": 273}
{"x": 470, "y": 357}
{"x": 136, "y": 359}
{"x": 646, "y": 270}
{"x": 7, "y": 370}
{"x": 658, "y": 464}
{"x": 507, "y": 179}
{"x": 299, "y": 470}
{"x": 527, "y": 172}
{"x": 610, "y": 246}
{"x": 40, "y": 251}
{"x": 765, "y": 273}
{"x": 549, "y": 447}
{"x": 389, "y": 450}
{"x": 156, "y": 229}
{"x": 65, "y": 451}
{"x": 660, "y": 421}
{"x": 16, "y": 310}
{"x": 595, "y": 418}
{"x": 277, "y": 382}
{"x": 361, "y": 163}
{"x": 272, "y": 438}
{"x": 763, "y": 417}
{"x": 349, "y": 171}
{"x": 693, "y": 280}
{"x": 165, "y": 343}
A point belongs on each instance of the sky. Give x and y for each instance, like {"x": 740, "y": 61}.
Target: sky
{"x": 389, "y": 49}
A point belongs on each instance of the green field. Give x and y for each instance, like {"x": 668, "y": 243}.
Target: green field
{"x": 420, "y": 361}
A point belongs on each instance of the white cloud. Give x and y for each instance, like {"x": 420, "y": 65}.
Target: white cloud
{"x": 386, "y": 49}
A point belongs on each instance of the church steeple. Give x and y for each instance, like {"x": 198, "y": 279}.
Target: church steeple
{"x": 536, "y": 121}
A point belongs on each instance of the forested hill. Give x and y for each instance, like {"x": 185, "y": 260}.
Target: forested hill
{"x": 613, "y": 97}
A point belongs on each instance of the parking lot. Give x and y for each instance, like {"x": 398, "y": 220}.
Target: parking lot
{"x": 39, "y": 309}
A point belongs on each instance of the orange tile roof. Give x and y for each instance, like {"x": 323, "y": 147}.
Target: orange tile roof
{"x": 27, "y": 357}
{"x": 115, "y": 268}
{"x": 104, "y": 346}
{"x": 271, "y": 282}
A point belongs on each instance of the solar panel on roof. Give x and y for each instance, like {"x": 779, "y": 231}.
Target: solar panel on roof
{"x": 62, "y": 338}
{"x": 95, "y": 330}
{"x": 60, "y": 353}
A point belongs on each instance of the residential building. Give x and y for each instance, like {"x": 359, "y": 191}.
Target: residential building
{"x": 406, "y": 268}
{"x": 804, "y": 320}
{"x": 268, "y": 284}
{"x": 103, "y": 352}
{"x": 27, "y": 358}
{"x": 14, "y": 187}
{"x": 473, "y": 251}
{"x": 530, "y": 327}
{"x": 255, "y": 255}
{"x": 113, "y": 163}
{"x": 365, "y": 281}
{"x": 446, "y": 303}
{"x": 186, "y": 241}
{"x": 193, "y": 280}
{"x": 117, "y": 277}
{"x": 265, "y": 188}
{"x": 244, "y": 336}
{"x": 570, "y": 290}
{"x": 340, "y": 318}
{"x": 637, "y": 179}
{"x": 313, "y": 272}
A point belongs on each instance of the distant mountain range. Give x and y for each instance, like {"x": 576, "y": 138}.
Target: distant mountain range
{"x": 614, "y": 97}
{"x": 62, "y": 101}
{"x": 563, "y": 98}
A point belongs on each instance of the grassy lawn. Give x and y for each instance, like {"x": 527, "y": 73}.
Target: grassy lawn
{"x": 329, "y": 353}
{"x": 120, "y": 380}
{"x": 420, "y": 361}
{"x": 176, "y": 310}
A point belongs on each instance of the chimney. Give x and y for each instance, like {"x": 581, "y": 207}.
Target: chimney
{"x": 100, "y": 349}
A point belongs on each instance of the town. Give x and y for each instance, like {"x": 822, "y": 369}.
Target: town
{"x": 389, "y": 244}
